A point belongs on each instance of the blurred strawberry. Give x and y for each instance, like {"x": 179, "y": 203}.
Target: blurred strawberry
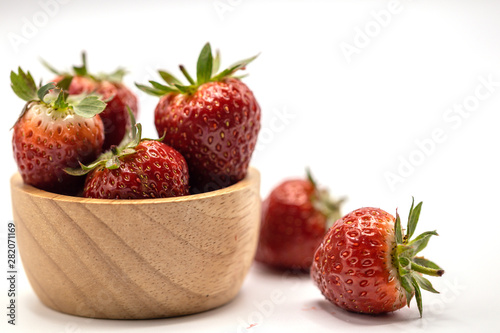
{"x": 295, "y": 218}
{"x": 213, "y": 122}
{"x": 115, "y": 117}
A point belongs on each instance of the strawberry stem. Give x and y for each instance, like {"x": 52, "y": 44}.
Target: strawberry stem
{"x": 426, "y": 270}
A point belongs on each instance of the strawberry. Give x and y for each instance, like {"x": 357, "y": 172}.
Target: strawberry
{"x": 118, "y": 96}
{"x": 367, "y": 264}
{"x": 213, "y": 122}
{"x": 137, "y": 169}
{"x": 295, "y": 218}
{"x": 54, "y": 132}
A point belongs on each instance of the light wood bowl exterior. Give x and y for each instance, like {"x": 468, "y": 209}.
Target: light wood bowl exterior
{"x": 137, "y": 259}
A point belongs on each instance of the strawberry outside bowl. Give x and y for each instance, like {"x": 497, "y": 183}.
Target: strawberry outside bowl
{"x": 137, "y": 259}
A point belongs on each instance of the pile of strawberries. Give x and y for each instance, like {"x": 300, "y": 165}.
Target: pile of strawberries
{"x": 77, "y": 134}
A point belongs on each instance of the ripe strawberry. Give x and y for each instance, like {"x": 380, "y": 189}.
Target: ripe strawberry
{"x": 115, "y": 117}
{"x": 366, "y": 264}
{"x": 213, "y": 122}
{"x": 138, "y": 169}
{"x": 295, "y": 218}
{"x": 54, "y": 132}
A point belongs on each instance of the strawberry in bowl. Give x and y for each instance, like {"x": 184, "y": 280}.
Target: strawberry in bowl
{"x": 54, "y": 132}
{"x": 136, "y": 169}
{"x": 213, "y": 121}
{"x": 118, "y": 97}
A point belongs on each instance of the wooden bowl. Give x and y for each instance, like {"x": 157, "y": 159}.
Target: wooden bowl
{"x": 137, "y": 259}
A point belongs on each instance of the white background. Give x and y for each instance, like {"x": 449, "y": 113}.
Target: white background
{"x": 353, "y": 118}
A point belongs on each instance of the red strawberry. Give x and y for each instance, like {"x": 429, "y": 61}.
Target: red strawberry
{"x": 213, "y": 122}
{"x": 295, "y": 218}
{"x": 118, "y": 96}
{"x": 366, "y": 264}
{"x": 54, "y": 132}
{"x": 139, "y": 169}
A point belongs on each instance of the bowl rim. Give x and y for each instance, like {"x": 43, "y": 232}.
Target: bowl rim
{"x": 17, "y": 182}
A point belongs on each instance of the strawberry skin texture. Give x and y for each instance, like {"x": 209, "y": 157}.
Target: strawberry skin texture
{"x": 115, "y": 117}
{"x": 45, "y": 142}
{"x": 291, "y": 228}
{"x": 215, "y": 129}
{"x": 155, "y": 170}
{"x": 353, "y": 265}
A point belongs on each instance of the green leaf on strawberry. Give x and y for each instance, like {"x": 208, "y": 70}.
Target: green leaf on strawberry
{"x": 424, "y": 283}
{"x": 116, "y": 76}
{"x": 111, "y": 159}
{"x": 410, "y": 267}
{"x": 186, "y": 74}
{"x": 50, "y": 67}
{"x": 420, "y": 242}
{"x": 151, "y": 91}
{"x": 82, "y": 70}
{"x": 44, "y": 90}
{"x": 89, "y": 106}
{"x": 65, "y": 82}
{"x": 161, "y": 87}
{"x": 169, "y": 78}
{"x": 216, "y": 63}
{"x": 54, "y": 95}
{"x": 234, "y": 67}
{"x": 413, "y": 218}
{"x": 426, "y": 263}
{"x": 204, "y": 66}
{"x": 397, "y": 229}
{"x": 206, "y": 71}
{"x": 23, "y": 85}
{"x": 60, "y": 102}
{"x": 324, "y": 203}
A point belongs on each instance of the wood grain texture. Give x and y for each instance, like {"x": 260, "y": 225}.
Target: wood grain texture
{"x": 137, "y": 259}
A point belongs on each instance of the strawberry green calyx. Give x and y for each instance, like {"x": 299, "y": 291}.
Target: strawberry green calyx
{"x": 23, "y": 85}
{"x": 111, "y": 158}
{"x": 324, "y": 203}
{"x": 116, "y": 76}
{"x": 206, "y": 71}
{"x": 54, "y": 96}
{"x": 409, "y": 266}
